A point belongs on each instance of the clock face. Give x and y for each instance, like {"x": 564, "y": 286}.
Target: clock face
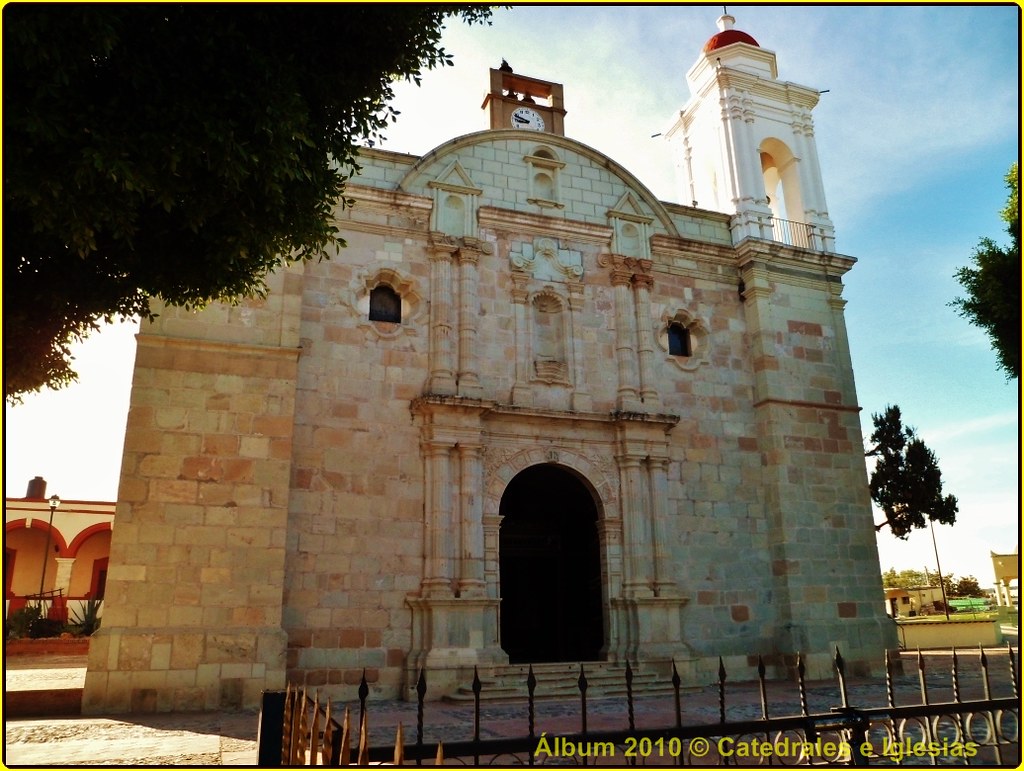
{"x": 525, "y": 118}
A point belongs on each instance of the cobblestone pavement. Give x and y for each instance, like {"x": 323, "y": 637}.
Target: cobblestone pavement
{"x": 229, "y": 738}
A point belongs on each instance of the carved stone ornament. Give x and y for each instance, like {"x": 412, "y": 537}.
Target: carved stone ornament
{"x": 545, "y": 261}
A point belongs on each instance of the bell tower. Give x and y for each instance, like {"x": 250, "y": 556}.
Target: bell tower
{"x": 519, "y": 102}
{"x": 744, "y": 144}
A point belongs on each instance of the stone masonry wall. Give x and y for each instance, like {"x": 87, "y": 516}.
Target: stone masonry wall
{"x": 192, "y": 617}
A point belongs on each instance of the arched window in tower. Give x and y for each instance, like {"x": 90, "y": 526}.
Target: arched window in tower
{"x": 781, "y": 173}
{"x": 385, "y": 304}
{"x": 679, "y": 340}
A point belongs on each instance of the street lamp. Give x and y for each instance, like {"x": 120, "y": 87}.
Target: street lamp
{"x": 54, "y": 503}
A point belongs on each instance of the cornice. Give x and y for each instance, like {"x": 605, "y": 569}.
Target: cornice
{"x": 495, "y": 218}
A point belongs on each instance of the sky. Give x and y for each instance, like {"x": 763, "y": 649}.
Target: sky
{"x": 916, "y": 128}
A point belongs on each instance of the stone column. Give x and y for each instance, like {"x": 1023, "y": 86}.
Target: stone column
{"x": 469, "y": 378}
{"x": 442, "y": 370}
{"x": 625, "y": 336}
{"x": 636, "y": 527}
{"x": 63, "y": 578}
{"x": 491, "y": 530}
{"x": 437, "y": 573}
{"x": 664, "y": 578}
{"x": 521, "y": 391}
{"x": 471, "y": 553}
{"x": 642, "y": 283}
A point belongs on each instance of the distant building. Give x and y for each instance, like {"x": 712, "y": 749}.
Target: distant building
{"x": 914, "y": 600}
{"x": 530, "y": 414}
{"x": 1007, "y": 570}
{"x": 76, "y": 548}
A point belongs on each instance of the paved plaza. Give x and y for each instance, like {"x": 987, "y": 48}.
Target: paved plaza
{"x": 229, "y": 738}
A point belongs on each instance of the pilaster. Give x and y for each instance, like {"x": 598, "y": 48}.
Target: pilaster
{"x": 522, "y": 394}
{"x": 642, "y": 283}
{"x": 468, "y": 376}
{"x": 471, "y": 555}
{"x": 437, "y": 526}
{"x": 442, "y": 365}
{"x": 625, "y": 335}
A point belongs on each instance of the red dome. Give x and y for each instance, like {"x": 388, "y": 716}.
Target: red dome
{"x": 726, "y": 38}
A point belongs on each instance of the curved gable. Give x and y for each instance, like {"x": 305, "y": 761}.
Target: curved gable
{"x": 537, "y": 173}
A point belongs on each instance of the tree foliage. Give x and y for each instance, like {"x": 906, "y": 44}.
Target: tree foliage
{"x": 904, "y": 579}
{"x": 182, "y": 151}
{"x": 967, "y": 586}
{"x": 906, "y": 483}
{"x": 992, "y": 283}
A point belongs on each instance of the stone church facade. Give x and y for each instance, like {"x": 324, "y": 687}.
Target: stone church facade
{"x": 530, "y": 414}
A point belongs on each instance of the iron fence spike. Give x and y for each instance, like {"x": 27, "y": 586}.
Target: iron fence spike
{"x": 922, "y": 678}
{"x": 676, "y": 682}
{"x": 629, "y": 696}
{"x": 956, "y": 676}
{"x": 762, "y": 686}
{"x": 890, "y": 692}
{"x": 421, "y": 693}
{"x": 1013, "y": 669}
{"x": 801, "y": 681}
{"x": 721, "y": 690}
{"x": 984, "y": 671}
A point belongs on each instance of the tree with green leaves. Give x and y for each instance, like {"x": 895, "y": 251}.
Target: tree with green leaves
{"x": 904, "y": 579}
{"x": 993, "y": 282}
{"x": 906, "y": 482}
{"x": 967, "y": 586}
{"x": 182, "y": 151}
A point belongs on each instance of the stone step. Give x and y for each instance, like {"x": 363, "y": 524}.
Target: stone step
{"x": 561, "y": 681}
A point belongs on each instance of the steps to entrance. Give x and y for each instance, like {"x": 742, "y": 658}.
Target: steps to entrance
{"x": 561, "y": 681}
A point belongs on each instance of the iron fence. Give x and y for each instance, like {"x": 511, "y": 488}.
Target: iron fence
{"x": 297, "y": 730}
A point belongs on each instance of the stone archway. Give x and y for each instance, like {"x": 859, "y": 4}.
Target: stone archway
{"x": 550, "y": 568}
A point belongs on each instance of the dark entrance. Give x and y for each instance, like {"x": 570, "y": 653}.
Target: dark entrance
{"x": 550, "y": 568}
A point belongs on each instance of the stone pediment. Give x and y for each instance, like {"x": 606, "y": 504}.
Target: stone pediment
{"x": 455, "y": 179}
{"x": 628, "y": 208}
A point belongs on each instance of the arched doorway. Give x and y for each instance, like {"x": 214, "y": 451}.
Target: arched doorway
{"x": 550, "y": 568}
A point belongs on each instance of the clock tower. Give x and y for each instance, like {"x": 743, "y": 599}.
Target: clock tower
{"x": 519, "y": 102}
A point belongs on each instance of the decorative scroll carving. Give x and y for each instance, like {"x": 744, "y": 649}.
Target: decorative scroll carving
{"x": 544, "y": 260}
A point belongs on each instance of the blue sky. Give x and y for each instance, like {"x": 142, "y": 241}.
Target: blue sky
{"x": 915, "y": 133}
